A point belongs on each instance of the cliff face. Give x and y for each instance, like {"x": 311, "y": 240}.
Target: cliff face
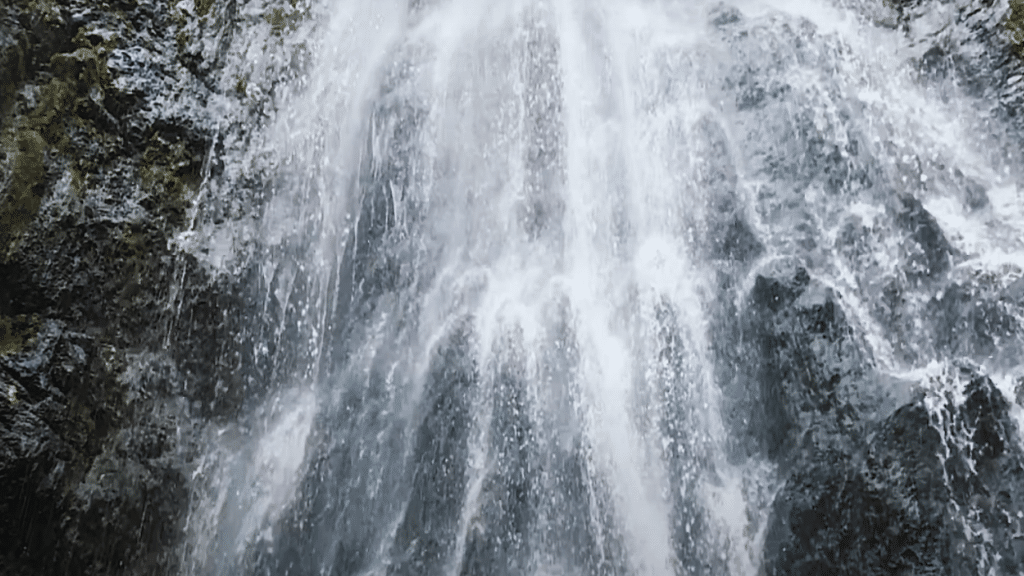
{"x": 109, "y": 113}
{"x": 928, "y": 484}
{"x": 131, "y": 155}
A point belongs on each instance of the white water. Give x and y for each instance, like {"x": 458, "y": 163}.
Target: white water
{"x": 526, "y": 195}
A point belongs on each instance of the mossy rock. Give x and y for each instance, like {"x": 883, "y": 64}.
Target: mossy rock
{"x": 281, "y": 20}
{"x": 203, "y": 7}
{"x": 170, "y": 171}
{"x": 70, "y": 98}
{"x": 21, "y": 198}
{"x": 17, "y": 333}
{"x": 1015, "y": 26}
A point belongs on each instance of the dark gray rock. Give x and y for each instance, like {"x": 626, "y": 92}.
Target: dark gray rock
{"x": 900, "y": 260}
{"x": 927, "y": 255}
{"x": 801, "y": 368}
{"x": 726, "y": 235}
{"x": 936, "y": 490}
{"x": 93, "y": 477}
{"x": 104, "y": 135}
{"x": 426, "y": 536}
{"x": 975, "y": 316}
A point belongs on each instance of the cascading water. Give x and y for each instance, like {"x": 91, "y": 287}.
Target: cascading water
{"x": 520, "y": 251}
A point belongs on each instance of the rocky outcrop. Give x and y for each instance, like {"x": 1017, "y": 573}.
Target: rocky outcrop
{"x": 936, "y": 489}
{"x": 108, "y": 114}
{"x": 799, "y": 375}
{"x": 881, "y": 476}
{"x": 877, "y": 481}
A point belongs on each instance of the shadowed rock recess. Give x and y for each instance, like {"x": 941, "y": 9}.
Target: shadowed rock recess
{"x": 853, "y": 386}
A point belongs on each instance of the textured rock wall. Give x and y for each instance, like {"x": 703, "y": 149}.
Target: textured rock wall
{"x": 876, "y": 483}
{"x": 126, "y": 133}
{"x": 114, "y": 343}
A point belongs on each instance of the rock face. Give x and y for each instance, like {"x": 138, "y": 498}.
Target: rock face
{"x": 800, "y": 377}
{"x": 877, "y": 482}
{"x": 115, "y": 345}
{"x": 936, "y": 490}
{"x": 922, "y": 481}
{"x": 105, "y": 130}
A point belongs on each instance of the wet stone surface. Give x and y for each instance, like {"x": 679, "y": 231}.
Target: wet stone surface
{"x": 105, "y": 127}
{"x": 935, "y": 489}
{"x": 119, "y": 349}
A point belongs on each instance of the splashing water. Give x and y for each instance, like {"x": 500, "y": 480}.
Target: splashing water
{"x": 508, "y": 234}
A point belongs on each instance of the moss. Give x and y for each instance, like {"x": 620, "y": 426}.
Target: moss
{"x": 48, "y": 9}
{"x": 57, "y": 103}
{"x": 178, "y": 16}
{"x": 240, "y": 85}
{"x": 78, "y": 79}
{"x": 1014, "y": 24}
{"x": 17, "y": 333}
{"x": 12, "y": 67}
{"x": 20, "y": 201}
{"x": 44, "y": 129}
{"x": 84, "y": 70}
{"x": 181, "y": 39}
{"x": 77, "y": 180}
{"x": 280, "y": 19}
{"x": 73, "y": 94}
{"x": 169, "y": 172}
{"x": 203, "y": 7}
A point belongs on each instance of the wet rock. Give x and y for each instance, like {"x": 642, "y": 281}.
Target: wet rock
{"x": 901, "y": 259}
{"x": 426, "y": 537}
{"x": 973, "y": 46}
{"x": 935, "y": 490}
{"x": 725, "y": 231}
{"x": 104, "y": 131}
{"x": 737, "y": 242}
{"x": 935, "y": 62}
{"x": 138, "y": 481}
{"x": 723, "y": 15}
{"x": 927, "y": 254}
{"x": 974, "y": 316}
{"x": 789, "y": 149}
{"x": 50, "y": 427}
{"x": 931, "y": 303}
{"x": 510, "y": 506}
{"x": 802, "y": 368}
{"x": 226, "y": 360}
{"x": 974, "y": 195}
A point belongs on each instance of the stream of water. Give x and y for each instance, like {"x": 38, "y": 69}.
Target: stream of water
{"x": 508, "y": 234}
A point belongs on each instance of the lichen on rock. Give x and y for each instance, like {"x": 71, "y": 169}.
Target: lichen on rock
{"x": 17, "y": 333}
{"x": 23, "y": 191}
{"x": 1015, "y": 25}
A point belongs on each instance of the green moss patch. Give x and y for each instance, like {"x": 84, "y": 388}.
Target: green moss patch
{"x": 71, "y": 97}
{"x": 282, "y": 20}
{"x": 20, "y": 202}
{"x": 17, "y": 333}
{"x": 170, "y": 173}
{"x": 1015, "y": 25}
{"x": 203, "y": 7}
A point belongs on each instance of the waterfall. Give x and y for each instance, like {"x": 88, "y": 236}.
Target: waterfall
{"x": 533, "y": 261}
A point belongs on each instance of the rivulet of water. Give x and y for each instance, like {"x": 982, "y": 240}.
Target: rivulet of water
{"x": 509, "y": 233}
